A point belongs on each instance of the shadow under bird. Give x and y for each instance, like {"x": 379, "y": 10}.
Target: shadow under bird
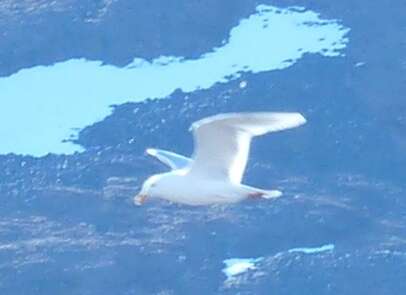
{"x": 213, "y": 175}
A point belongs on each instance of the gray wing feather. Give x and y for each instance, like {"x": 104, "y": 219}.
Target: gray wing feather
{"x": 172, "y": 160}
{"x": 222, "y": 142}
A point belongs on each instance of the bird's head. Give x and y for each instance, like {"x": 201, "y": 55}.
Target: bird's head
{"x": 150, "y": 189}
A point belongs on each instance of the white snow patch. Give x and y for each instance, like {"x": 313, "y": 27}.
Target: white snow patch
{"x": 237, "y": 266}
{"x": 324, "y": 248}
{"x": 40, "y": 107}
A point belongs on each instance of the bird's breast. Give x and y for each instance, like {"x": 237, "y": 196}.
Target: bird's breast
{"x": 191, "y": 191}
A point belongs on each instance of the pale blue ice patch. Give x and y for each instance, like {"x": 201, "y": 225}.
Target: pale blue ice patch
{"x": 40, "y": 107}
{"x": 324, "y": 248}
{"x": 237, "y": 266}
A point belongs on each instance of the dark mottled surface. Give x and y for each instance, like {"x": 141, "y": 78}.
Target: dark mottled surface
{"x": 67, "y": 224}
{"x": 114, "y": 31}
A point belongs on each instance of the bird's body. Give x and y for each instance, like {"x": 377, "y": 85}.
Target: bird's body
{"x": 181, "y": 187}
{"x": 214, "y": 174}
{"x": 191, "y": 190}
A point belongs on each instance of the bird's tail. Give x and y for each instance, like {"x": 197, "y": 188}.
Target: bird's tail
{"x": 260, "y": 193}
{"x": 271, "y": 194}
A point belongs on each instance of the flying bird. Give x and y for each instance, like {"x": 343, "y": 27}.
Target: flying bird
{"x": 214, "y": 174}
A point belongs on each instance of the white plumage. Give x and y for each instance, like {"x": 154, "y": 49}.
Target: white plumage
{"x": 214, "y": 174}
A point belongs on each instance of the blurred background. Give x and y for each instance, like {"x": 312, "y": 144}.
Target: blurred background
{"x": 86, "y": 86}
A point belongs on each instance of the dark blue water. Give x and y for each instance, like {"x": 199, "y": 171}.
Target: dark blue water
{"x": 67, "y": 223}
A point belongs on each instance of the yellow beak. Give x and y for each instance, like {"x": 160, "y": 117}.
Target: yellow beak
{"x": 139, "y": 199}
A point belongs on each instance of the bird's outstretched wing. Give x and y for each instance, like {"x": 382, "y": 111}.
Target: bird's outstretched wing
{"x": 222, "y": 142}
{"x": 174, "y": 161}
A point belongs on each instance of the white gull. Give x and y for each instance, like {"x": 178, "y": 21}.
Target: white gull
{"x": 213, "y": 175}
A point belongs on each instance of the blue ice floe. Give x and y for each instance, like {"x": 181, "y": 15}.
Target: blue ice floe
{"x": 40, "y": 107}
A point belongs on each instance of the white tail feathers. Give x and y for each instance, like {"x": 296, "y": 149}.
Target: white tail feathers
{"x": 272, "y": 194}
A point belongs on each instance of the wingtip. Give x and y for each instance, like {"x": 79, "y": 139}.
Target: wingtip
{"x": 295, "y": 119}
{"x": 301, "y": 119}
{"x": 288, "y": 120}
{"x": 151, "y": 152}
